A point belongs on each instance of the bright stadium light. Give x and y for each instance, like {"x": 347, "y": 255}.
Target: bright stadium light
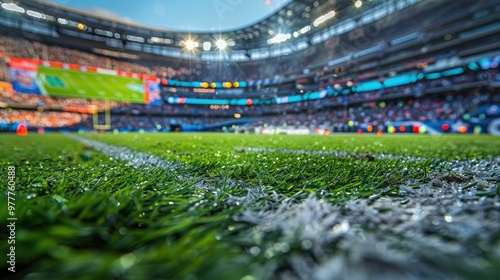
{"x": 207, "y": 46}
{"x": 134, "y": 38}
{"x": 305, "y": 29}
{"x": 191, "y": 45}
{"x": 323, "y": 18}
{"x": 62, "y": 21}
{"x": 358, "y": 4}
{"x": 35, "y": 14}
{"x": 221, "y": 44}
{"x": 12, "y": 7}
{"x": 159, "y": 40}
{"x": 280, "y": 38}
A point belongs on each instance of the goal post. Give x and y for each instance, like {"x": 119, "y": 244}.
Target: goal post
{"x": 107, "y": 117}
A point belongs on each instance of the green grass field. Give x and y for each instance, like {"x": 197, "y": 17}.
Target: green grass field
{"x": 227, "y": 206}
{"x": 72, "y": 83}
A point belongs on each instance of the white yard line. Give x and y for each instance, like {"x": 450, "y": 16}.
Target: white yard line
{"x": 132, "y": 157}
{"x": 444, "y": 219}
{"x": 388, "y": 237}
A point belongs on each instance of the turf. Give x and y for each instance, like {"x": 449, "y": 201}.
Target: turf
{"x": 79, "y": 84}
{"x": 212, "y": 206}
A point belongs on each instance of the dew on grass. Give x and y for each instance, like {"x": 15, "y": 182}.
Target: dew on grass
{"x": 218, "y": 236}
{"x": 306, "y": 244}
{"x": 448, "y": 218}
{"x": 122, "y": 231}
{"x": 281, "y": 247}
{"x": 255, "y": 250}
{"x": 126, "y": 261}
{"x": 269, "y": 253}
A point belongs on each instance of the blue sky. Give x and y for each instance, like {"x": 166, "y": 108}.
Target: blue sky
{"x": 185, "y": 15}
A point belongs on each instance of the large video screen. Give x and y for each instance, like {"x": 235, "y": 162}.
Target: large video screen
{"x": 65, "y": 80}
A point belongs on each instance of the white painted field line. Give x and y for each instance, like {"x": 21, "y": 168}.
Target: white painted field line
{"x": 133, "y": 158}
{"x": 375, "y": 238}
{"x": 139, "y": 159}
{"x": 392, "y": 237}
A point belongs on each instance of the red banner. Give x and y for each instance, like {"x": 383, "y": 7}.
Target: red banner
{"x": 24, "y": 64}
{"x": 32, "y": 65}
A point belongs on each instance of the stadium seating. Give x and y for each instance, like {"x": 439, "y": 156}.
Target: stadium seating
{"x": 338, "y": 73}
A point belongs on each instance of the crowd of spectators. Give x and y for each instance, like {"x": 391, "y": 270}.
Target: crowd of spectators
{"x": 333, "y": 111}
{"x": 34, "y": 100}
{"x": 451, "y": 106}
{"x": 40, "y": 118}
{"x": 415, "y": 90}
{"x": 435, "y": 108}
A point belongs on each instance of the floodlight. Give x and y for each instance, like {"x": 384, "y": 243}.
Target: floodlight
{"x": 323, "y": 18}
{"x": 12, "y": 7}
{"x": 207, "y": 46}
{"x": 35, "y": 14}
{"x": 191, "y": 45}
{"x": 221, "y": 44}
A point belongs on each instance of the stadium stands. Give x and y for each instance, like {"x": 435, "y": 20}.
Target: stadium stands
{"x": 336, "y": 83}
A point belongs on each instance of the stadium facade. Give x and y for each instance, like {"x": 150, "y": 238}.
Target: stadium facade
{"x": 407, "y": 66}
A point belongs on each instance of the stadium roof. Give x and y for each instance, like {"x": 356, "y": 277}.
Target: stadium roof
{"x": 297, "y": 17}
{"x": 187, "y": 15}
{"x": 293, "y": 27}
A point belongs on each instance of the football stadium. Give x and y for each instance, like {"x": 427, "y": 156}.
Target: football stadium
{"x": 255, "y": 139}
